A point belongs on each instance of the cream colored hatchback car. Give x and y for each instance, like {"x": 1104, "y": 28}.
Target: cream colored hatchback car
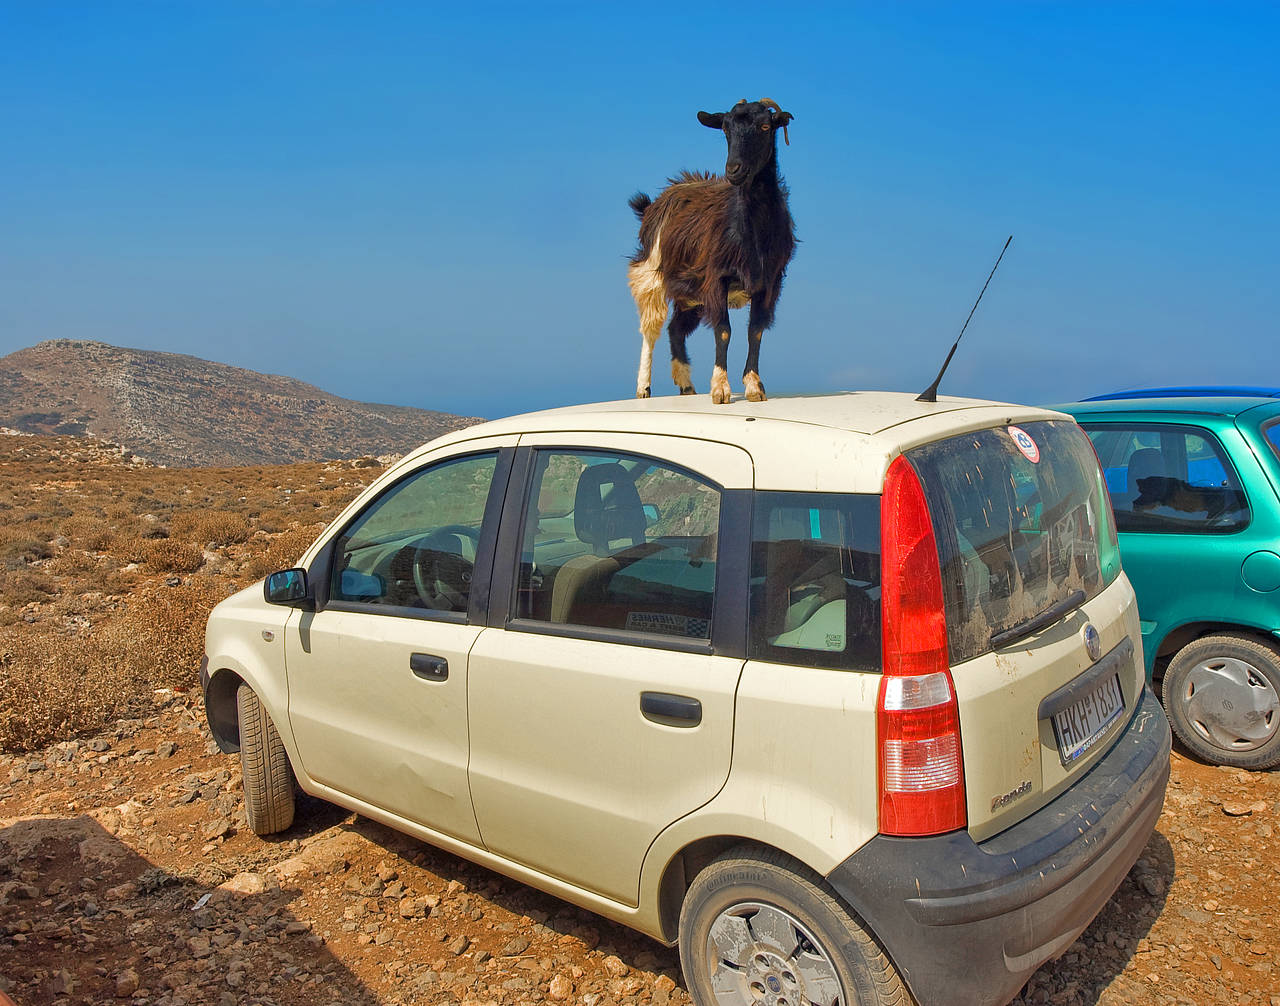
{"x": 843, "y": 694}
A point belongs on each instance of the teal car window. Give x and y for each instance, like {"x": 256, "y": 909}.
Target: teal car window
{"x": 1167, "y": 478}
{"x": 1272, "y": 433}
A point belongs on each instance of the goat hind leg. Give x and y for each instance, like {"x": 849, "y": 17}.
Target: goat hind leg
{"x": 652, "y": 315}
{"x": 683, "y": 321}
{"x": 721, "y": 393}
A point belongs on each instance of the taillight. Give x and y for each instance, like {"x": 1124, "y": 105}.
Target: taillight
{"x": 921, "y": 767}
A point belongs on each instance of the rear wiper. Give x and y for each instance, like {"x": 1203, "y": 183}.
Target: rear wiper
{"x": 1037, "y": 622}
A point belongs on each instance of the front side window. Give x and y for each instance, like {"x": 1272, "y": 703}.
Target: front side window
{"x": 415, "y": 546}
{"x": 815, "y": 580}
{"x": 1169, "y": 479}
{"x": 616, "y": 541}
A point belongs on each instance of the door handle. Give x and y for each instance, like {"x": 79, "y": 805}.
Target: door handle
{"x": 429, "y": 668}
{"x": 670, "y": 710}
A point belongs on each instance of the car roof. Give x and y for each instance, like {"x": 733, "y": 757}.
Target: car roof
{"x": 1228, "y": 407}
{"x": 829, "y": 442}
{"x": 1191, "y": 391}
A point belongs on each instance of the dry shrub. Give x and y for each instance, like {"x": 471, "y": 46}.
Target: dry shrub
{"x": 19, "y": 587}
{"x": 54, "y": 685}
{"x": 18, "y": 548}
{"x": 131, "y": 548}
{"x": 169, "y": 555}
{"x": 88, "y": 532}
{"x": 182, "y": 524}
{"x": 283, "y": 551}
{"x": 219, "y": 529}
{"x": 72, "y": 562}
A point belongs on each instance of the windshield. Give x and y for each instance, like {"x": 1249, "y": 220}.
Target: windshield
{"x": 1019, "y": 514}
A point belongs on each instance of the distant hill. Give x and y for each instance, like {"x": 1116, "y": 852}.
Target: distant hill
{"x": 182, "y": 411}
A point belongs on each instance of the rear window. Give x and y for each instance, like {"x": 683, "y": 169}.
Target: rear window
{"x": 1022, "y": 523}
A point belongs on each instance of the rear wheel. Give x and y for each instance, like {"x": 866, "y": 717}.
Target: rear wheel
{"x": 757, "y": 927}
{"x": 268, "y": 779}
{"x": 1222, "y": 694}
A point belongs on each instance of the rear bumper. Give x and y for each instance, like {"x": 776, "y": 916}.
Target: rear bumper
{"x": 966, "y": 924}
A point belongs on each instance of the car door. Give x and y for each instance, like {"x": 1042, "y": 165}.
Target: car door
{"x": 601, "y": 710}
{"x": 378, "y": 673}
{"x": 1182, "y": 517}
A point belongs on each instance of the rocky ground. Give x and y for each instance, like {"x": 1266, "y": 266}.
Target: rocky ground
{"x": 127, "y": 875}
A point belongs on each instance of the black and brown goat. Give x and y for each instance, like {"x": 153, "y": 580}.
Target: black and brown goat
{"x": 709, "y": 243}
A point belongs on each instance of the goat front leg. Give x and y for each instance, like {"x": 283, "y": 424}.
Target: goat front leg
{"x": 718, "y": 314}
{"x": 760, "y": 319}
{"x": 683, "y": 321}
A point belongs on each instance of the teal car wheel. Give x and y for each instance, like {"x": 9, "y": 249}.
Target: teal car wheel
{"x": 1222, "y": 694}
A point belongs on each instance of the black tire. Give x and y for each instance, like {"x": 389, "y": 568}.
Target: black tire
{"x": 268, "y": 778}
{"x": 805, "y": 942}
{"x": 1222, "y": 694}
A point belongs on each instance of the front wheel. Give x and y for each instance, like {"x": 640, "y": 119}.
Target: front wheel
{"x": 756, "y": 927}
{"x": 1222, "y": 694}
{"x": 264, "y": 764}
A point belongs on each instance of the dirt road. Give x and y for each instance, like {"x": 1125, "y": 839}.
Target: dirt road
{"x": 127, "y": 875}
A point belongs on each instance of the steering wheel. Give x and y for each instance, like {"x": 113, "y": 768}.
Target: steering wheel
{"x": 441, "y": 574}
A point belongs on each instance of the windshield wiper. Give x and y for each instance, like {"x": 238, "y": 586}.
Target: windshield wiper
{"x": 1037, "y": 622}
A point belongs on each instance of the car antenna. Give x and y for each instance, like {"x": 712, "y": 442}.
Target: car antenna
{"x": 930, "y": 394}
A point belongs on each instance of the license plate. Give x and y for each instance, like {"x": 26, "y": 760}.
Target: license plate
{"x": 1081, "y": 724}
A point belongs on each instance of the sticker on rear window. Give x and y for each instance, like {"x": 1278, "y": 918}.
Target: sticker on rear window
{"x": 1025, "y": 444}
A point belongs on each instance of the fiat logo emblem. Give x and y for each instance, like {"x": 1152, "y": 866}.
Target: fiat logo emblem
{"x": 1092, "y": 642}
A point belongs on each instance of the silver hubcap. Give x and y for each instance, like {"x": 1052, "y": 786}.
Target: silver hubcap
{"x": 1230, "y": 704}
{"x": 761, "y": 954}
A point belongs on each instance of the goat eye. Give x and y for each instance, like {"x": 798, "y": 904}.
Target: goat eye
{"x": 764, "y": 126}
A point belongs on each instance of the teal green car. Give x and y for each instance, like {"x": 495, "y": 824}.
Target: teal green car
{"x": 1195, "y": 485}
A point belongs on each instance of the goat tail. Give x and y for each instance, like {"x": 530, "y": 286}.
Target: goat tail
{"x": 639, "y": 203}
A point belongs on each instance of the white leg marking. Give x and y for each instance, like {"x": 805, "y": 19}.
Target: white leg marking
{"x": 645, "y": 280}
{"x": 755, "y": 390}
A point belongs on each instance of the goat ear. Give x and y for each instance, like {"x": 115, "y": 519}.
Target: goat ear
{"x": 712, "y": 120}
{"x": 780, "y": 119}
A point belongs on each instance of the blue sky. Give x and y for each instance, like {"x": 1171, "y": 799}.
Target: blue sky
{"x": 426, "y": 205}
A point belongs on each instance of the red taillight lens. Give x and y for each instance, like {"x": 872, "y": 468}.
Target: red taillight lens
{"x": 921, "y": 767}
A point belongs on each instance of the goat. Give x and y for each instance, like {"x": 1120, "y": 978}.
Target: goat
{"x": 709, "y": 243}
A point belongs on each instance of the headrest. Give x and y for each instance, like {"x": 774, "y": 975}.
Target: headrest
{"x": 1143, "y": 464}
{"x": 607, "y": 508}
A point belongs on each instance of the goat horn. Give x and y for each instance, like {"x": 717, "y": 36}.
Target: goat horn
{"x": 777, "y": 109}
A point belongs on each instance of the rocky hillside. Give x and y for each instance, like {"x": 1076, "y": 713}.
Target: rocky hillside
{"x": 182, "y": 411}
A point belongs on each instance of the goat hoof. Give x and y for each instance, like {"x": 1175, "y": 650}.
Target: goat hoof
{"x": 757, "y": 396}
{"x": 753, "y": 387}
{"x": 688, "y": 390}
{"x": 642, "y": 393}
{"x": 721, "y": 397}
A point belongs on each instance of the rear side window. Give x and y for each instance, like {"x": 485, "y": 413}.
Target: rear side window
{"x": 1272, "y": 433}
{"x": 1021, "y": 522}
{"x": 618, "y": 541}
{"x": 1167, "y": 478}
{"x": 815, "y": 580}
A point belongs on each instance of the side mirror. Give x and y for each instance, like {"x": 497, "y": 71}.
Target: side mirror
{"x": 651, "y": 515}
{"x": 288, "y": 587}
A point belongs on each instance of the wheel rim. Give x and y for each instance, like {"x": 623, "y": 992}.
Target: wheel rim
{"x": 759, "y": 954}
{"x": 1231, "y": 704}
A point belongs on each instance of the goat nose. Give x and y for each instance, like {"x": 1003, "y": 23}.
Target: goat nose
{"x": 733, "y": 167}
